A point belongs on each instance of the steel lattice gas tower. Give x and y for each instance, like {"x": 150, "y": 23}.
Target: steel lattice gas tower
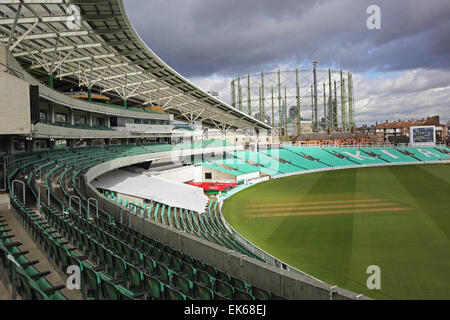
{"x": 280, "y": 98}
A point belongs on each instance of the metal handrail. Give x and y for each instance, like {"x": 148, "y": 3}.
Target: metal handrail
{"x": 88, "y": 206}
{"x": 79, "y": 203}
{"x": 23, "y": 188}
{"x": 39, "y": 197}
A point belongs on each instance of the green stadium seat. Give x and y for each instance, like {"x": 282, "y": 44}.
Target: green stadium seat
{"x": 205, "y": 278}
{"x": 172, "y": 294}
{"x": 223, "y": 276}
{"x": 202, "y": 292}
{"x": 200, "y": 265}
{"x": 242, "y": 295}
{"x": 135, "y": 278}
{"x": 183, "y": 284}
{"x": 188, "y": 259}
{"x": 153, "y": 288}
{"x": 110, "y": 290}
{"x": 176, "y": 264}
{"x": 189, "y": 271}
{"x": 150, "y": 265}
{"x": 211, "y": 270}
{"x": 239, "y": 284}
{"x": 117, "y": 262}
{"x": 260, "y": 294}
{"x": 225, "y": 289}
{"x": 164, "y": 273}
{"x": 165, "y": 258}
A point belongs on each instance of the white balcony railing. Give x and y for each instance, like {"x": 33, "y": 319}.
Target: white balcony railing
{"x": 145, "y": 128}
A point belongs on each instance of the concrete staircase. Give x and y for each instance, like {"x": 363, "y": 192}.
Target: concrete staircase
{"x": 35, "y": 253}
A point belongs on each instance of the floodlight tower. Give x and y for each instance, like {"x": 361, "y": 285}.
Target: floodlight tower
{"x": 314, "y": 117}
{"x": 233, "y": 94}
{"x": 351, "y": 100}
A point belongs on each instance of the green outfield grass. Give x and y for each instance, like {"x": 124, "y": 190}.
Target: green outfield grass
{"x": 333, "y": 225}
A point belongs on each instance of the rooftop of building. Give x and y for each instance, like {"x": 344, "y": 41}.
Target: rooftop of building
{"x": 330, "y": 136}
{"x": 430, "y": 121}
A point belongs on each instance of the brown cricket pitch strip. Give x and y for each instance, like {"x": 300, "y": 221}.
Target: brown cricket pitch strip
{"x": 319, "y": 207}
{"x": 346, "y": 211}
{"x": 286, "y": 204}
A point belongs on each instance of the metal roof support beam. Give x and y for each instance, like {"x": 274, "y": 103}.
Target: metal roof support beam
{"x": 198, "y": 116}
{"x": 173, "y": 106}
{"x": 33, "y": 1}
{"x": 151, "y": 91}
{"x": 212, "y": 120}
{"x": 123, "y": 88}
{"x": 224, "y": 128}
{"x": 54, "y": 54}
{"x": 13, "y": 29}
{"x": 62, "y": 61}
{"x": 43, "y": 64}
{"x": 189, "y": 119}
{"x": 106, "y": 68}
{"x": 171, "y": 98}
{"x": 93, "y": 82}
{"x": 129, "y": 84}
{"x": 141, "y": 82}
{"x": 23, "y": 36}
{"x": 160, "y": 88}
{"x": 51, "y": 35}
{"x": 167, "y": 97}
{"x": 129, "y": 95}
{"x": 85, "y": 58}
{"x": 27, "y": 20}
{"x": 121, "y": 64}
{"x": 64, "y": 48}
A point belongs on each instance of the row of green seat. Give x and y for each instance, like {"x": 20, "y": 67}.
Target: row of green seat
{"x": 16, "y": 269}
{"x": 427, "y": 153}
{"x": 321, "y": 154}
{"x": 355, "y": 155}
{"x": 263, "y": 160}
{"x": 237, "y": 165}
{"x": 169, "y": 289}
{"x": 107, "y": 285}
{"x": 295, "y": 159}
{"x": 188, "y": 221}
{"x": 338, "y": 157}
{"x": 389, "y": 154}
{"x": 210, "y": 285}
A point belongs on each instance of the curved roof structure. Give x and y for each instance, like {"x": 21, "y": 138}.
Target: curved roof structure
{"x": 92, "y": 44}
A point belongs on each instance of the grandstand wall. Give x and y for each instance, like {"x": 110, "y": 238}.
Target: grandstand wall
{"x": 15, "y": 96}
{"x": 3, "y": 62}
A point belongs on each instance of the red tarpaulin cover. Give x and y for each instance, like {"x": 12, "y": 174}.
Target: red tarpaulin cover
{"x": 210, "y": 186}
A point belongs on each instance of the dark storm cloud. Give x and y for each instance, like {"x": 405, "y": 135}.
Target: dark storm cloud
{"x": 229, "y": 37}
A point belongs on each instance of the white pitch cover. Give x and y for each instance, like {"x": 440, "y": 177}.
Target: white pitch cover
{"x": 168, "y": 192}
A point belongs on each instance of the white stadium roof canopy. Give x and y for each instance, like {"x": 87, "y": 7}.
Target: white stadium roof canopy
{"x": 104, "y": 51}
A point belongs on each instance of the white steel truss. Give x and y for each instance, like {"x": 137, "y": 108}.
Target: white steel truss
{"x": 104, "y": 50}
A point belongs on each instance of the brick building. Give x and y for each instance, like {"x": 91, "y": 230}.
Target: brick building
{"x": 401, "y": 129}
{"x": 332, "y": 139}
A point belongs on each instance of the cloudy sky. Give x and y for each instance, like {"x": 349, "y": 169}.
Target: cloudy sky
{"x": 401, "y": 71}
